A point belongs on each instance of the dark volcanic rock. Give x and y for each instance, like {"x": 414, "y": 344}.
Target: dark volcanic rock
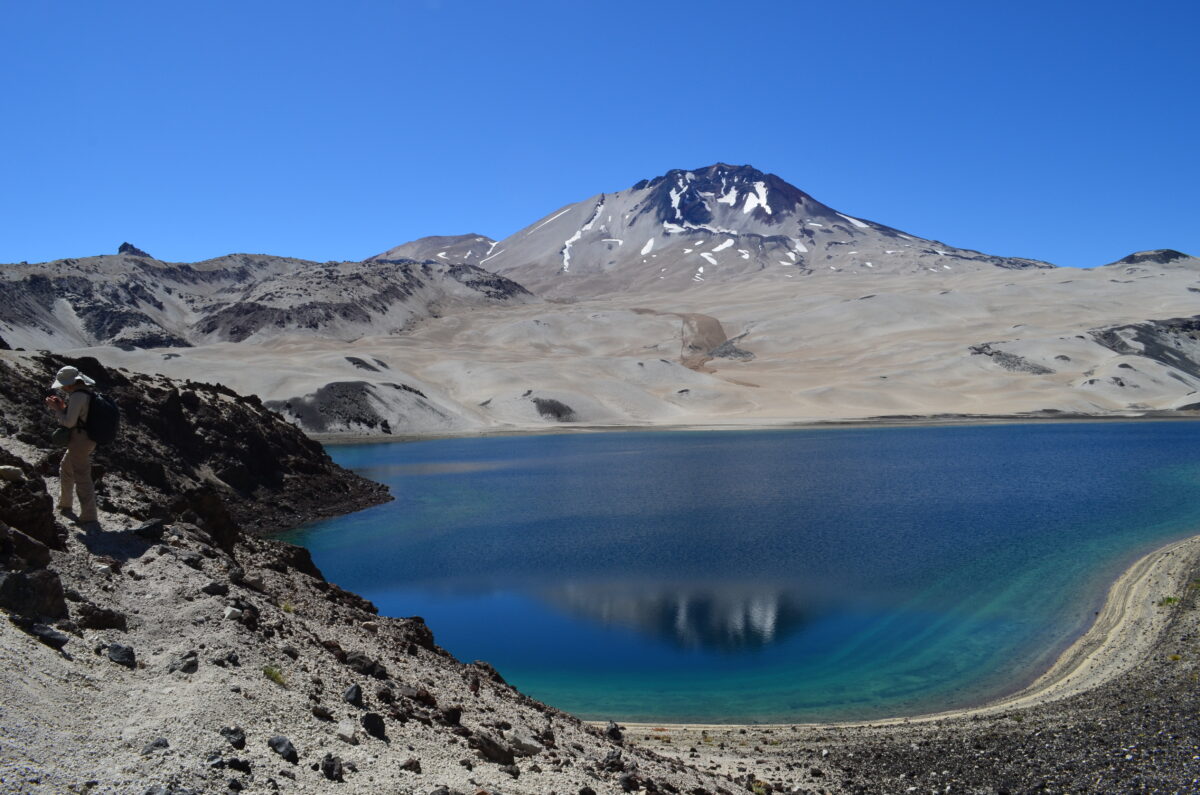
{"x": 372, "y": 724}
{"x": 132, "y": 250}
{"x": 365, "y": 665}
{"x": 48, "y": 635}
{"x": 25, "y": 504}
{"x": 122, "y": 655}
{"x": 353, "y": 696}
{"x": 19, "y": 551}
{"x": 235, "y": 736}
{"x": 283, "y": 746}
{"x": 331, "y": 767}
{"x": 90, "y": 616}
{"x": 613, "y": 732}
{"x": 35, "y": 593}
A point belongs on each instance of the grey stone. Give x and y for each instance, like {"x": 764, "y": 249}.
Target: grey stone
{"x": 490, "y": 749}
{"x": 187, "y": 663}
{"x": 347, "y": 732}
{"x": 353, "y": 696}
{"x": 155, "y": 745}
{"x": 522, "y": 743}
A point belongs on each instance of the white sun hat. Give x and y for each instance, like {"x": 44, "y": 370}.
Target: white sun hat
{"x": 70, "y": 375}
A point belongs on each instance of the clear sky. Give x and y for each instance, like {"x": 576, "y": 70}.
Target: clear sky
{"x": 1064, "y": 131}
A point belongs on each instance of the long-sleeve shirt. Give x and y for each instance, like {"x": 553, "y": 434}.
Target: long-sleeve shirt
{"x": 77, "y": 409}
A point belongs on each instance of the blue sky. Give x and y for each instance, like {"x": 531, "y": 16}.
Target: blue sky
{"x": 1063, "y": 131}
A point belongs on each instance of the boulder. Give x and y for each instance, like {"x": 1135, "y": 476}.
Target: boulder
{"x": 34, "y": 593}
{"x": 26, "y": 505}
{"x": 15, "y": 544}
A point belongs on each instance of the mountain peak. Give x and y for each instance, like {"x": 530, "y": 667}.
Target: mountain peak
{"x": 694, "y": 197}
{"x": 133, "y": 251}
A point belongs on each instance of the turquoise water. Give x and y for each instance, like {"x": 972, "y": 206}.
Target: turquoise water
{"x": 783, "y": 575}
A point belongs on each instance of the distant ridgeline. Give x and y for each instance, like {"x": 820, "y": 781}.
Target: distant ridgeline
{"x": 133, "y": 300}
{"x": 692, "y": 297}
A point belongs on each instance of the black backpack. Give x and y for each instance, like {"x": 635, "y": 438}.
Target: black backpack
{"x": 103, "y": 419}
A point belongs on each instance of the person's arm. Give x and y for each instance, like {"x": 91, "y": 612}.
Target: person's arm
{"x": 75, "y": 403}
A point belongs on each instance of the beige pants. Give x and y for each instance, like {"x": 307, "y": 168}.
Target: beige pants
{"x": 75, "y": 474}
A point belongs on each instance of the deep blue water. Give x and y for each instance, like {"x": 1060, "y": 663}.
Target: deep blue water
{"x": 783, "y": 575}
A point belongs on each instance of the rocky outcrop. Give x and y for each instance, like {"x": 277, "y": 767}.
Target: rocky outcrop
{"x": 1009, "y": 361}
{"x": 181, "y": 445}
{"x": 133, "y": 251}
{"x": 134, "y": 301}
{"x": 360, "y": 407}
{"x": 1158, "y": 256}
{"x": 1174, "y": 342}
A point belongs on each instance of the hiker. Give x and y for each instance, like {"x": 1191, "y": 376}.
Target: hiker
{"x": 75, "y": 473}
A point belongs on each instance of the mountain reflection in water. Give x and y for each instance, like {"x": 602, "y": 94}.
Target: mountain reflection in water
{"x": 728, "y": 617}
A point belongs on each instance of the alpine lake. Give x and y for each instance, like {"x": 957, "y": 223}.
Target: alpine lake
{"x": 763, "y": 576}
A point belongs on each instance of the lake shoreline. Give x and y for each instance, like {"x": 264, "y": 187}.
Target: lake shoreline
{"x": 1105, "y": 717}
{"x": 896, "y": 421}
{"x": 1126, "y": 630}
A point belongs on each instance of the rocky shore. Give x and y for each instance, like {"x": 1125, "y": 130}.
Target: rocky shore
{"x": 177, "y": 650}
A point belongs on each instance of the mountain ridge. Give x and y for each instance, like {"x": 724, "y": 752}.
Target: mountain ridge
{"x": 719, "y": 223}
